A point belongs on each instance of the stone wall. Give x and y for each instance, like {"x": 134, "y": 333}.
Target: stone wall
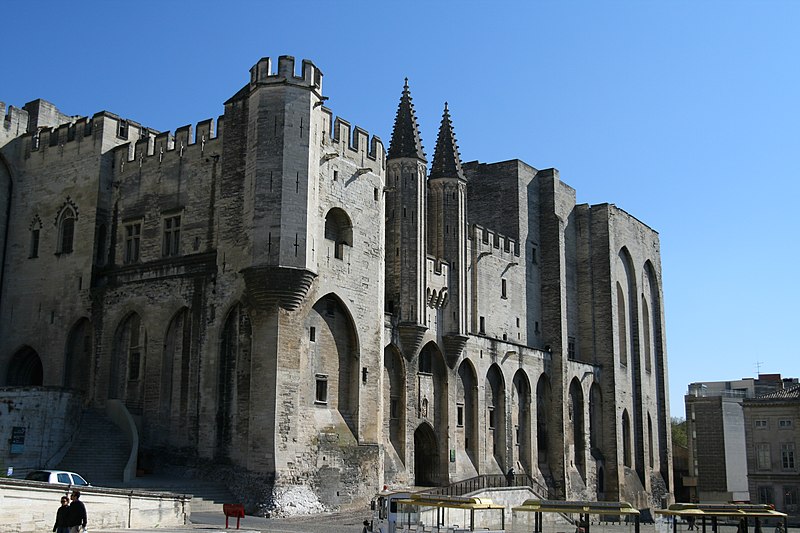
{"x": 49, "y": 416}
{"x": 29, "y": 507}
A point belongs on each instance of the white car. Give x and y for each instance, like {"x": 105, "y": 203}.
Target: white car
{"x": 59, "y": 477}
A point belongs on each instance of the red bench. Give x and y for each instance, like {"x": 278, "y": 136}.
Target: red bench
{"x": 233, "y": 510}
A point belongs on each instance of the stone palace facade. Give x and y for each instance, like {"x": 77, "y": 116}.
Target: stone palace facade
{"x": 279, "y": 292}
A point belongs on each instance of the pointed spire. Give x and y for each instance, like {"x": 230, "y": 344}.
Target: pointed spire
{"x": 405, "y": 136}
{"x": 446, "y": 160}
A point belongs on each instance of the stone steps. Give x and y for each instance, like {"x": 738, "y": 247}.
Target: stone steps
{"x": 100, "y": 451}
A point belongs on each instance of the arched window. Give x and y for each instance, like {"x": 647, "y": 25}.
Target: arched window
{"x": 338, "y": 229}
{"x": 66, "y": 230}
{"x": 36, "y": 229}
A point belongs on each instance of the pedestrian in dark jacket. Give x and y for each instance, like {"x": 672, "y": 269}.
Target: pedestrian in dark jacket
{"x": 77, "y": 513}
{"x": 62, "y": 517}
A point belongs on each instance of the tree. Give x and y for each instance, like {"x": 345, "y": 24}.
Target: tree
{"x": 679, "y": 437}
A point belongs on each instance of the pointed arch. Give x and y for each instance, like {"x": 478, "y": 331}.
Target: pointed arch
{"x": 467, "y": 410}
{"x": 626, "y": 439}
{"x": 335, "y": 359}
{"x": 626, "y": 275}
{"x": 647, "y": 341}
{"x": 426, "y": 456}
{"x": 543, "y": 412}
{"x": 25, "y": 369}
{"x": 233, "y": 382}
{"x": 659, "y": 364}
{"x": 78, "y": 356}
{"x": 596, "y": 420}
{"x": 394, "y": 399}
{"x": 65, "y": 222}
{"x": 576, "y": 426}
{"x": 339, "y": 231}
{"x": 432, "y": 393}
{"x": 495, "y": 400}
{"x": 521, "y": 421}
{"x": 173, "y": 404}
{"x": 128, "y": 361}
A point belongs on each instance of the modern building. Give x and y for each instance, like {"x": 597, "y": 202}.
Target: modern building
{"x": 277, "y": 293}
{"x": 772, "y": 438}
{"x": 716, "y": 436}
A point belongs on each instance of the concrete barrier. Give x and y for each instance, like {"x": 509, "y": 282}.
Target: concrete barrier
{"x": 30, "y": 506}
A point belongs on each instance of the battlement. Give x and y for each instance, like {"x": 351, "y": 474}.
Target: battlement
{"x": 486, "y": 240}
{"x": 155, "y": 146}
{"x": 15, "y": 120}
{"x": 349, "y": 138}
{"x": 262, "y": 74}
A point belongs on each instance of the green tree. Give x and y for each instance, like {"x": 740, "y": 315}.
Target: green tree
{"x": 679, "y": 432}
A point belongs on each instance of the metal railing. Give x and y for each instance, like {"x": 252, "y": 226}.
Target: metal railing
{"x": 491, "y": 481}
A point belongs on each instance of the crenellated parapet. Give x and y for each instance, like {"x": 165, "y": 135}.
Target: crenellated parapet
{"x": 155, "y": 147}
{"x": 98, "y": 134}
{"x": 262, "y": 73}
{"x": 486, "y": 240}
{"x": 351, "y": 142}
{"x": 15, "y": 122}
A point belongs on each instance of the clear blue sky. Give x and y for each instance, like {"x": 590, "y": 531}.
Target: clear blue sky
{"x": 684, "y": 113}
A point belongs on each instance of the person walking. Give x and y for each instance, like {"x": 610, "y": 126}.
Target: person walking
{"x": 62, "y": 517}
{"x": 77, "y": 513}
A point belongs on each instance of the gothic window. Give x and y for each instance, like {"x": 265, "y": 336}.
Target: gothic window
{"x": 623, "y": 325}
{"x": 66, "y": 231}
{"x": 172, "y": 236}
{"x": 133, "y": 232}
{"x": 339, "y": 230}
{"x": 34, "y": 242}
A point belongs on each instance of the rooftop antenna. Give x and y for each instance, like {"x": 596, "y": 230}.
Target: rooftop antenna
{"x": 758, "y": 367}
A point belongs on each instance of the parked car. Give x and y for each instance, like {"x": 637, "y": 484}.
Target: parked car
{"x": 59, "y": 477}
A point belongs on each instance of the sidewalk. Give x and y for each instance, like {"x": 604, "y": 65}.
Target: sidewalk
{"x": 339, "y": 522}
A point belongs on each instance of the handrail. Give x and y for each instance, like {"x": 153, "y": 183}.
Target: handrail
{"x": 490, "y": 481}
{"x": 119, "y": 414}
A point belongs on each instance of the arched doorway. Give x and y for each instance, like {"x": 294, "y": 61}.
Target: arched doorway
{"x": 25, "y": 369}
{"x": 426, "y": 457}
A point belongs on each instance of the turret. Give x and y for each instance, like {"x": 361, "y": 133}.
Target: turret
{"x": 405, "y": 223}
{"x": 447, "y": 226}
{"x": 273, "y": 120}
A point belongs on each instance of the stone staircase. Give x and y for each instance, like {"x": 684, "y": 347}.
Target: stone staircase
{"x": 207, "y": 496}
{"x": 100, "y": 453}
{"x": 100, "y": 450}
